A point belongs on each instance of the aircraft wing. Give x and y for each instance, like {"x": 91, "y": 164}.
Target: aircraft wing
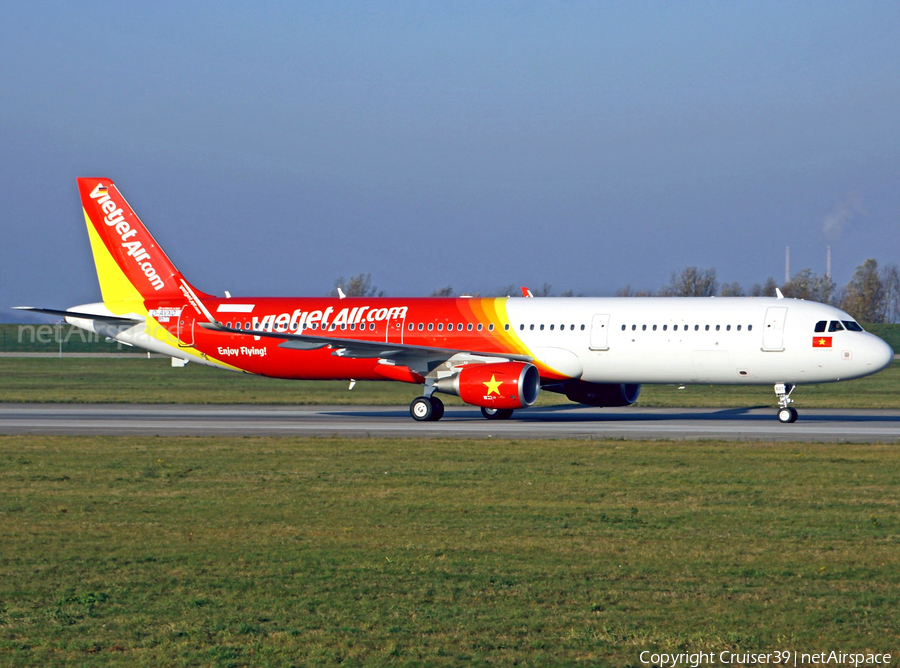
{"x": 362, "y": 349}
{"x": 114, "y": 319}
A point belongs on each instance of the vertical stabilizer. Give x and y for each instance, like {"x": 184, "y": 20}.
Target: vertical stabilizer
{"x": 131, "y": 267}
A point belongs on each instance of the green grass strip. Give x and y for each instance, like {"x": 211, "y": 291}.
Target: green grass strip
{"x": 295, "y": 551}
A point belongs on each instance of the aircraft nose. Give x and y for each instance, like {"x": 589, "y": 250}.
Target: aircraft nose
{"x": 880, "y": 354}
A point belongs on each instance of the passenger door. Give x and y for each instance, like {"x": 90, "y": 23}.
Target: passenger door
{"x": 600, "y": 332}
{"x": 773, "y": 331}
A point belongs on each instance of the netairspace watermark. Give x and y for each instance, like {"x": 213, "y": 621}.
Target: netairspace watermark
{"x": 59, "y": 334}
{"x": 778, "y": 658}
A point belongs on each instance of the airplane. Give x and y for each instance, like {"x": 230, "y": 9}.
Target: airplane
{"x": 494, "y": 353}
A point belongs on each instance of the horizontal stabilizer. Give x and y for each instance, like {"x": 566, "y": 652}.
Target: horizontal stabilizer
{"x": 76, "y": 314}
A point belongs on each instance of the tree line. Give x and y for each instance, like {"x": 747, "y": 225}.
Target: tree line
{"x": 872, "y": 295}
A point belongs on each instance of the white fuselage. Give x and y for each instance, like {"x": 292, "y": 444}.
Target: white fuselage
{"x": 695, "y": 340}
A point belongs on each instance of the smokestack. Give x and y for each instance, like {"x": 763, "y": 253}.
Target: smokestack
{"x": 828, "y": 264}
{"x": 787, "y": 264}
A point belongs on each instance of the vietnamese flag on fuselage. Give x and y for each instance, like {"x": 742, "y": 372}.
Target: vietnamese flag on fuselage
{"x": 821, "y": 342}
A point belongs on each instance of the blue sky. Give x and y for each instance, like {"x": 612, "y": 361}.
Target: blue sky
{"x": 273, "y": 148}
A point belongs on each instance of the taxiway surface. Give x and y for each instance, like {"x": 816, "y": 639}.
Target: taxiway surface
{"x": 757, "y": 424}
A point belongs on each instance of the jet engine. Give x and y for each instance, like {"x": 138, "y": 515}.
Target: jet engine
{"x": 602, "y": 394}
{"x": 498, "y": 385}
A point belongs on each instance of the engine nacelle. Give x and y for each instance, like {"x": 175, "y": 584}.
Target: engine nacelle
{"x": 603, "y": 394}
{"x": 494, "y": 384}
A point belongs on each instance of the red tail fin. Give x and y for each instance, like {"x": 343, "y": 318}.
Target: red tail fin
{"x": 127, "y": 257}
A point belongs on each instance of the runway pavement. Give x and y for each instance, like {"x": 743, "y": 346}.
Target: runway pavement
{"x": 861, "y": 426}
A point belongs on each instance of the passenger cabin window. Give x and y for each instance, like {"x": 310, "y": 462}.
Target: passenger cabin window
{"x": 430, "y": 326}
{"x": 821, "y": 325}
{"x": 440, "y": 327}
{"x": 852, "y": 325}
{"x": 835, "y": 326}
{"x": 491, "y": 327}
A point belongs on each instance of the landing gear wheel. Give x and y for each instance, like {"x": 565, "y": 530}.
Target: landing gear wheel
{"x": 426, "y": 409}
{"x": 497, "y": 413}
{"x": 437, "y": 409}
{"x": 787, "y": 415}
{"x": 421, "y": 409}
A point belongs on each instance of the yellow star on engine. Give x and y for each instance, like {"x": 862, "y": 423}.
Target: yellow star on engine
{"x": 493, "y": 385}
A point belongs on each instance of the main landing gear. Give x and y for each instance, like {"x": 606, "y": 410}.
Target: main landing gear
{"x": 426, "y": 409}
{"x": 786, "y": 413}
{"x": 429, "y": 408}
{"x": 497, "y": 413}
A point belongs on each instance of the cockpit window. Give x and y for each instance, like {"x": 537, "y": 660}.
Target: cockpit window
{"x": 820, "y": 326}
{"x": 852, "y": 325}
{"x": 835, "y": 326}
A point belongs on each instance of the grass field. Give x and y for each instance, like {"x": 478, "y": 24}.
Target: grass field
{"x": 139, "y": 380}
{"x": 291, "y": 551}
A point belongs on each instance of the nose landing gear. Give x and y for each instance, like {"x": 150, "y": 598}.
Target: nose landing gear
{"x": 786, "y": 413}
